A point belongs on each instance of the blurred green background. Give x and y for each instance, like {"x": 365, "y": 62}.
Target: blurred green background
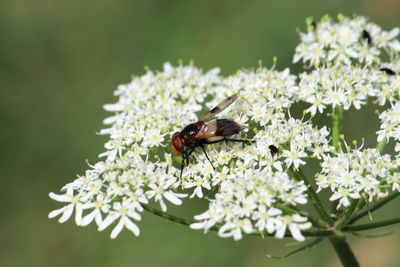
{"x": 60, "y": 62}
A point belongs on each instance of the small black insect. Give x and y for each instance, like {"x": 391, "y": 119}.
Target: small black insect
{"x": 314, "y": 25}
{"x": 273, "y": 149}
{"x": 388, "y": 71}
{"x": 366, "y": 36}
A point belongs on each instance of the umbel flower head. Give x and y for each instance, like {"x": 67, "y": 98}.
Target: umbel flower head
{"x": 251, "y": 189}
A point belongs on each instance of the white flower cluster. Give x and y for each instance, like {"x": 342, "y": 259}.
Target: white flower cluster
{"x": 247, "y": 201}
{"x": 346, "y": 86}
{"x": 139, "y": 167}
{"x": 390, "y": 127}
{"x": 358, "y": 174}
{"x": 149, "y": 108}
{"x": 254, "y": 186}
{"x": 347, "y": 57}
{"x": 252, "y": 193}
{"x": 347, "y": 41}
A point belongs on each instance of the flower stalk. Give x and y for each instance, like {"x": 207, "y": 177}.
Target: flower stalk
{"x": 337, "y": 125}
{"x": 299, "y": 175}
{"x": 369, "y": 226}
{"x": 343, "y": 250}
{"x": 348, "y": 214}
{"x": 380, "y": 203}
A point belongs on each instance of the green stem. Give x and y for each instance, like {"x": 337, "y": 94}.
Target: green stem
{"x": 170, "y": 217}
{"x": 188, "y": 222}
{"x": 368, "y": 226}
{"x": 344, "y": 251}
{"x": 374, "y": 207}
{"x": 299, "y": 175}
{"x": 343, "y": 220}
{"x": 337, "y": 125}
{"x": 337, "y": 119}
{"x": 381, "y": 145}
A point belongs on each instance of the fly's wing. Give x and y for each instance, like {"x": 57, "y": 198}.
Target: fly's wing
{"x": 220, "y": 107}
{"x": 219, "y": 128}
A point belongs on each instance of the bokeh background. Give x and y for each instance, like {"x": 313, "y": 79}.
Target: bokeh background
{"x": 60, "y": 62}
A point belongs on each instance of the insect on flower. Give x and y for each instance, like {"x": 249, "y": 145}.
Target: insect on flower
{"x": 199, "y": 134}
{"x": 388, "y": 71}
{"x": 366, "y": 36}
{"x": 273, "y": 149}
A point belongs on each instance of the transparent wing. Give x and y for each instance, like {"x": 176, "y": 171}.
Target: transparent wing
{"x": 220, "y": 107}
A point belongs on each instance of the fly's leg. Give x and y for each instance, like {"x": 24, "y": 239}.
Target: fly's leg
{"x": 205, "y": 153}
{"x": 231, "y": 140}
{"x": 185, "y": 158}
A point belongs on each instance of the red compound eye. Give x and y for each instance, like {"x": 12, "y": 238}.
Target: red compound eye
{"x": 177, "y": 144}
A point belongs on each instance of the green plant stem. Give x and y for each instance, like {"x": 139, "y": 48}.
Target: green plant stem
{"x": 374, "y": 207}
{"x": 381, "y": 145}
{"x": 188, "y": 222}
{"x": 299, "y": 175}
{"x": 368, "y": 226}
{"x": 344, "y": 219}
{"x": 337, "y": 125}
{"x": 343, "y": 250}
{"x": 170, "y": 217}
{"x": 337, "y": 119}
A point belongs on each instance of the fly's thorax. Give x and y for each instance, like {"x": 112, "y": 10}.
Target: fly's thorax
{"x": 189, "y": 132}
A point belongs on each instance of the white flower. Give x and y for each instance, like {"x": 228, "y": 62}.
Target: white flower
{"x": 124, "y": 212}
{"x": 294, "y": 155}
{"x": 160, "y": 191}
{"x": 235, "y": 228}
{"x": 67, "y": 210}
{"x": 296, "y": 223}
{"x": 99, "y": 206}
{"x": 266, "y": 219}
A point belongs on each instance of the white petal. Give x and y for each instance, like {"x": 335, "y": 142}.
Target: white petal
{"x": 202, "y": 216}
{"x": 298, "y": 218}
{"x": 393, "y": 33}
{"x": 163, "y": 206}
{"x": 67, "y": 213}
{"x": 247, "y": 227}
{"x": 199, "y": 192}
{"x": 60, "y": 198}
{"x": 335, "y": 196}
{"x": 78, "y": 214}
{"x": 107, "y": 221}
{"x": 110, "y": 120}
{"x": 98, "y": 217}
{"x": 113, "y": 107}
{"x": 118, "y": 228}
{"x": 172, "y": 198}
{"x": 274, "y": 212}
{"x": 197, "y": 225}
{"x": 270, "y": 226}
{"x": 111, "y": 155}
{"x": 237, "y": 234}
{"x": 131, "y": 226}
{"x": 88, "y": 218}
{"x": 395, "y": 45}
{"x": 55, "y": 213}
{"x": 134, "y": 215}
{"x": 280, "y": 232}
{"x": 294, "y": 230}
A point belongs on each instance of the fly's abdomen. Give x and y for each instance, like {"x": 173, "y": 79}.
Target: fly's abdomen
{"x": 227, "y": 127}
